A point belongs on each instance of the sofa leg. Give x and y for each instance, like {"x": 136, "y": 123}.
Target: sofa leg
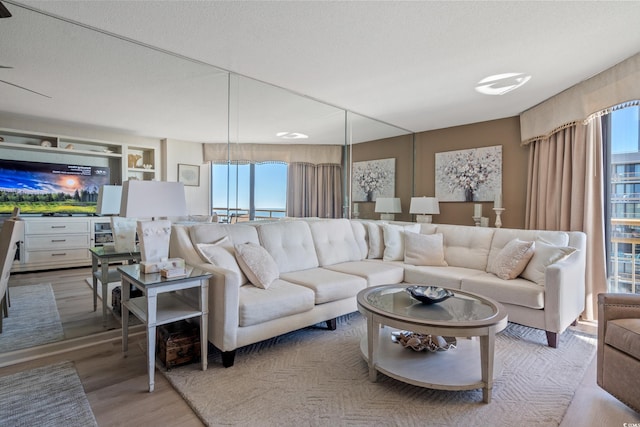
{"x": 575, "y": 323}
{"x": 332, "y": 324}
{"x": 228, "y": 357}
{"x": 552, "y": 339}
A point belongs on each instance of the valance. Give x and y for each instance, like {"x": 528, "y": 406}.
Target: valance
{"x": 288, "y": 153}
{"x": 617, "y": 85}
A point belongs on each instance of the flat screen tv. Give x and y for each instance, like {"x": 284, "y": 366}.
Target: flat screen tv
{"x": 50, "y": 188}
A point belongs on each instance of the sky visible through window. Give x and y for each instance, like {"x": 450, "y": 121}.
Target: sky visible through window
{"x": 625, "y": 126}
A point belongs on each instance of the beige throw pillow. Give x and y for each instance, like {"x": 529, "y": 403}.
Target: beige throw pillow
{"x": 544, "y": 255}
{"x": 394, "y": 240}
{"x": 218, "y": 255}
{"x": 424, "y": 249}
{"x": 512, "y": 259}
{"x": 257, "y": 264}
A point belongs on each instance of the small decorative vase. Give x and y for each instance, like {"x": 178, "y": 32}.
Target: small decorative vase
{"x": 369, "y": 196}
{"x": 468, "y": 195}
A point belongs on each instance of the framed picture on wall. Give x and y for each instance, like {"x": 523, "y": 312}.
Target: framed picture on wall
{"x": 473, "y": 175}
{"x": 189, "y": 174}
{"x": 372, "y": 179}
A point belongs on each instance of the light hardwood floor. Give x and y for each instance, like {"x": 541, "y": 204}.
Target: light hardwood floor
{"x": 117, "y": 387}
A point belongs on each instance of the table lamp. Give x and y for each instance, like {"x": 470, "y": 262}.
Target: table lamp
{"x": 423, "y": 208}
{"x": 123, "y": 230}
{"x": 388, "y": 207}
{"x": 153, "y": 199}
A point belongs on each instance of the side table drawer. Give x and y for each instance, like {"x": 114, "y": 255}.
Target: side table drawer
{"x": 36, "y": 243}
{"x": 57, "y": 256}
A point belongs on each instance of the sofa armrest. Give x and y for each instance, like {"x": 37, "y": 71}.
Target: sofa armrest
{"x": 564, "y": 292}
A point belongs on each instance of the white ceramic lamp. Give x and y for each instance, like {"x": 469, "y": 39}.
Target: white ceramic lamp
{"x": 152, "y": 199}
{"x": 388, "y": 207}
{"x": 424, "y": 207}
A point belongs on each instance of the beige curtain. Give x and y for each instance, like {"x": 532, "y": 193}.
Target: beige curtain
{"x": 314, "y": 190}
{"x": 565, "y": 192}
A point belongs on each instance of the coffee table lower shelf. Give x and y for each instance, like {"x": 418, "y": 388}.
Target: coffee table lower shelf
{"x": 454, "y": 369}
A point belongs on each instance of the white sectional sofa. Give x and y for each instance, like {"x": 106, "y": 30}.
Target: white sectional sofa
{"x": 303, "y": 272}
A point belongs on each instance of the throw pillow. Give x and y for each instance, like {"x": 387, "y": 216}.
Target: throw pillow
{"x": 512, "y": 259}
{"x": 376, "y": 240}
{"x": 259, "y": 266}
{"x": 218, "y": 255}
{"x": 424, "y": 249}
{"x": 394, "y": 240}
{"x": 544, "y": 255}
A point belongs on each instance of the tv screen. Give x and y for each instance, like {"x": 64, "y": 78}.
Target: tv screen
{"x": 50, "y": 188}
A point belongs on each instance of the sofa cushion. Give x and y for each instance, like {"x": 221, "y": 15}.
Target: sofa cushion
{"x": 450, "y": 277}
{"x": 502, "y": 236}
{"x": 328, "y": 285}
{"x": 281, "y": 299}
{"x": 334, "y": 241}
{"x": 257, "y": 264}
{"x": 466, "y": 246}
{"x": 517, "y": 291}
{"x": 624, "y": 335}
{"x": 375, "y": 272}
{"x": 360, "y": 234}
{"x": 424, "y": 249}
{"x": 375, "y": 239}
{"x": 213, "y": 232}
{"x": 543, "y": 256}
{"x": 290, "y": 244}
{"x": 512, "y": 259}
{"x": 220, "y": 256}
{"x": 394, "y": 240}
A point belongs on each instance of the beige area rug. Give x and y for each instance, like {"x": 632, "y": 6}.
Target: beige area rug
{"x": 317, "y": 377}
{"x": 33, "y": 318}
{"x": 48, "y": 396}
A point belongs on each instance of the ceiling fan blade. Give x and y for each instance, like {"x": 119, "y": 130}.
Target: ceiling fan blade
{"x": 5, "y": 66}
{"x": 4, "y": 12}
{"x": 24, "y": 88}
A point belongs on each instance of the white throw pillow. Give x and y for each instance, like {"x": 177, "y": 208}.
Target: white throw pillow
{"x": 394, "y": 240}
{"x": 257, "y": 264}
{"x": 543, "y": 256}
{"x": 218, "y": 255}
{"x": 376, "y": 240}
{"x": 424, "y": 249}
{"x": 512, "y": 259}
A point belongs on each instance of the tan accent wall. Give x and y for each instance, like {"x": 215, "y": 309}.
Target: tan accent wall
{"x": 505, "y": 132}
{"x": 400, "y": 148}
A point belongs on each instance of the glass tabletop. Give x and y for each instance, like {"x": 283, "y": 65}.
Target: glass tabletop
{"x": 110, "y": 251}
{"x": 151, "y": 279}
{"x": 463, "y": 307}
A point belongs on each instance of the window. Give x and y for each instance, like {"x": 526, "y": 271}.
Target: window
{"x": 622, "y": 138}
{"x": 243, "y": 192}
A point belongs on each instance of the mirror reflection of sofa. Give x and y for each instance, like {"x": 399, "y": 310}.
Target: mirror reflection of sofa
{"x": 270, "y": 278}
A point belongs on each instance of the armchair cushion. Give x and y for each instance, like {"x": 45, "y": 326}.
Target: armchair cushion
{"x": 624, "y": 334}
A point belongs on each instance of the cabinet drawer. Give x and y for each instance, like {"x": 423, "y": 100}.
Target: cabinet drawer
{"x": 53, "y": 242}
{"x": 56, "y": 227}
{"x": 57, "y": 256}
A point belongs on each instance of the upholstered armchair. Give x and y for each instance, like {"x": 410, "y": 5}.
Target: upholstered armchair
{"x": 619, "y": 347}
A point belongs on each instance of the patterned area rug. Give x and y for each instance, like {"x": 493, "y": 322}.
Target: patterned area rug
{"x": 316, "y": 377}
{"x": 33, "y": 318}
{"x": 47, "y": 396}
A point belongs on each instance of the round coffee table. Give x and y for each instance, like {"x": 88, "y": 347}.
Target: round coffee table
{"x": 466, "y": 314}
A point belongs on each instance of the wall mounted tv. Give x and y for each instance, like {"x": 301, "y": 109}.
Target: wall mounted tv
{"x": 50, "y": 188}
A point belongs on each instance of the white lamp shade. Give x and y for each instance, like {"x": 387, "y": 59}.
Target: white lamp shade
{"x": 109, "y": 200}
{"x": 151, "y": 199}
{"x": 388, "y": 205}
{"x": 424, "y": 206}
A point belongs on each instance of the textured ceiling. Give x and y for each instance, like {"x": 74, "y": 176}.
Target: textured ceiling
{"x": 410, "y": 64}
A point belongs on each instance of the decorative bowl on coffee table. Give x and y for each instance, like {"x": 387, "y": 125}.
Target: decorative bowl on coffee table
{"x": 429, "y": 294}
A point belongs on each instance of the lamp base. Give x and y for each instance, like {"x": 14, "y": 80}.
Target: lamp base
{"x": 387, "y": 217}
{"x": 424, "y": 219}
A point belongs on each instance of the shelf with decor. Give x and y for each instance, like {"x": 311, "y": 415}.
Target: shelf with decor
{"x": 141, "y": 163}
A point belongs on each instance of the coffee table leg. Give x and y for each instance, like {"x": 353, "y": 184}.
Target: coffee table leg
{"x": 373, "y": 335}
{"x": 487, "y": 346}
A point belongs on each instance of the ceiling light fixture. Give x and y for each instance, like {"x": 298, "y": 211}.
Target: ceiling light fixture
{"x": 292, "y": 135}
{"x": 499, "y": 84}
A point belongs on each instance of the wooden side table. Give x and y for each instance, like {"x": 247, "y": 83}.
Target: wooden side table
{"x": 100, "y": 260}
{"x": 160, "y": 305}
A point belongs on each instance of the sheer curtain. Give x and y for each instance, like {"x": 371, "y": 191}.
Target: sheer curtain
{"x": 565, "y": 191}
{"x": 314, "y": 190}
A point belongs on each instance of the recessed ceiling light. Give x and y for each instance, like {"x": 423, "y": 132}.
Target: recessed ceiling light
{"x": 292, "y": 135}
{"x": 499, "y": 84}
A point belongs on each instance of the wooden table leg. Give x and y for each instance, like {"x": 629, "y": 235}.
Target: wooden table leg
{"x": 487, "y": 348}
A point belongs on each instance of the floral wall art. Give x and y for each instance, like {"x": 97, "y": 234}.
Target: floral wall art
{"x": 373, "y": 179}
{"x": 473, "y": 175}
